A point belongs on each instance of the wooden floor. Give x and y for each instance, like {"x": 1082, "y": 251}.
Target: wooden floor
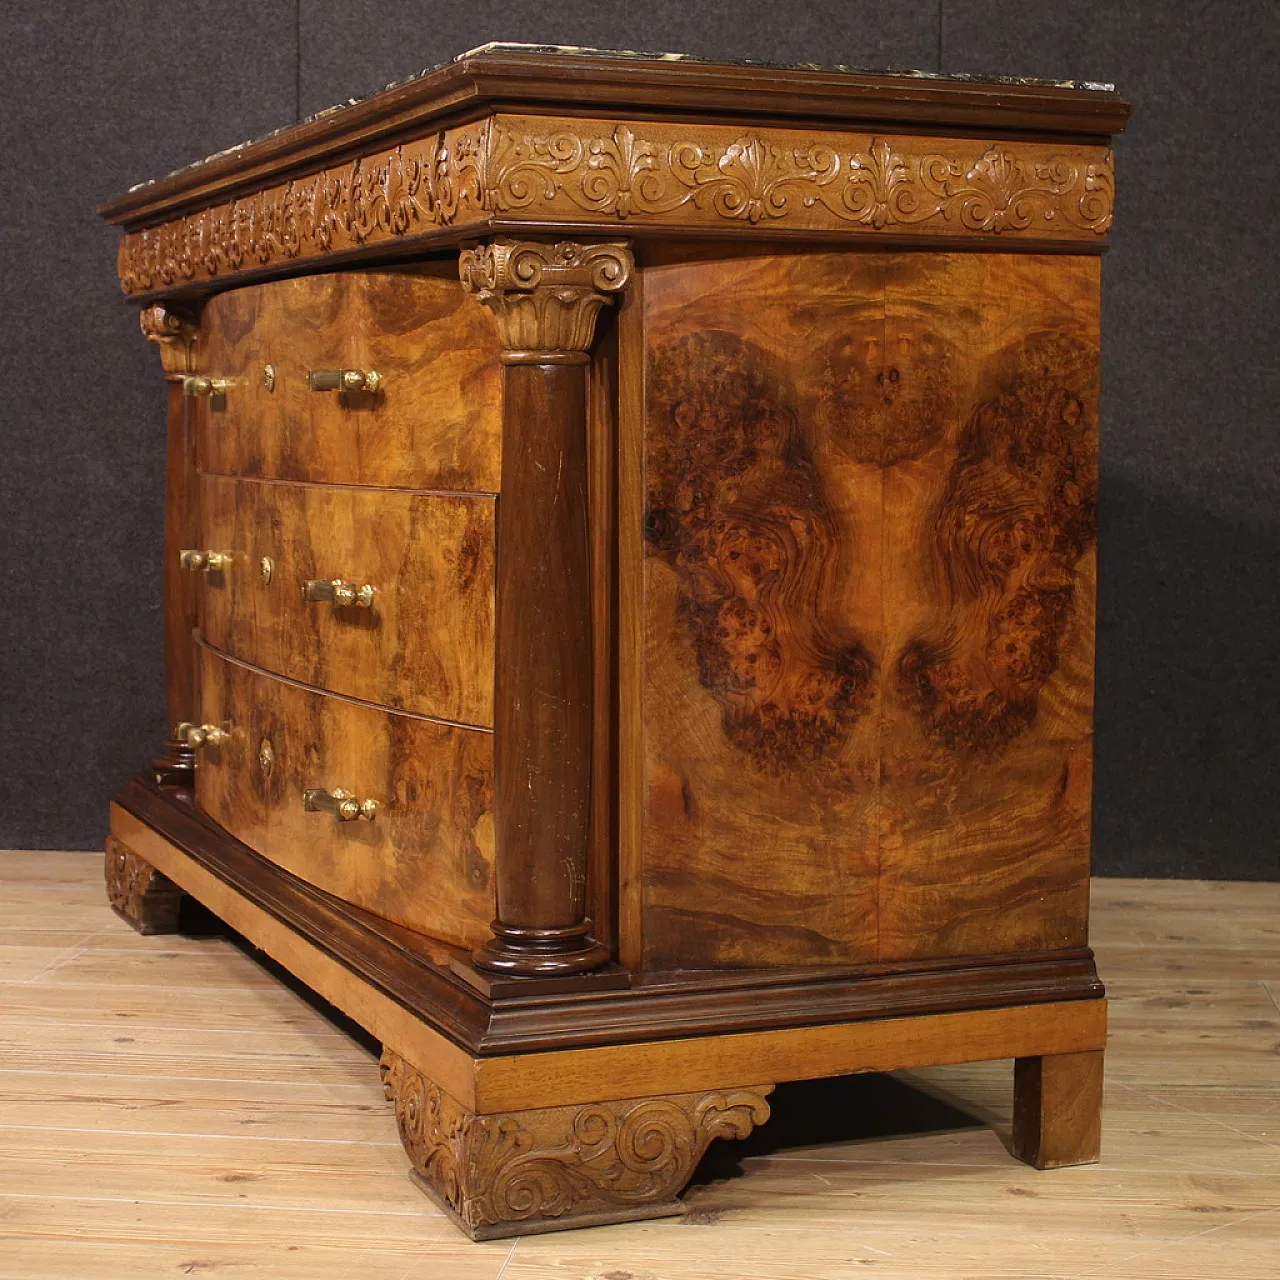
{"x": 169, "y": 1107}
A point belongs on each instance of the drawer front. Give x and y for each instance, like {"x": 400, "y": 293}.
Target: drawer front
{"x": 230, "y": 786}
{"x": 425, "y": 643}
{"x": 424, "y": 861}
{"x": 434, "y": 422}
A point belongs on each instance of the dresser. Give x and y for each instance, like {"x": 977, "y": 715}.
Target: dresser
{"x": 629, "y": 596}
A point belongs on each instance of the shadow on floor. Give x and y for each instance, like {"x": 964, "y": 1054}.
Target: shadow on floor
{"x": 196, "y": 921}
{"x": 811, "y": 1113}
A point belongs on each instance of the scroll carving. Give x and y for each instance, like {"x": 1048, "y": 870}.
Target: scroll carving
{"x": 546, "y": 296}
{"x": 174, "y": 332}
{"x": 890, "y": 183}
{"x": 640, "y": 173}
{"x": 138, "y": 892}
{"x": 540, "y": 1170}
{"x": 404, "y": 191}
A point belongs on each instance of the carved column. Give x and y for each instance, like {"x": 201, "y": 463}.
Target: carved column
{"x": 546, "y": 298}
{"x": 174, "y": 333}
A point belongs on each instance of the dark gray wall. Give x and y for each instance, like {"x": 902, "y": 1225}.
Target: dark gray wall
{"x": 97, "y": 96}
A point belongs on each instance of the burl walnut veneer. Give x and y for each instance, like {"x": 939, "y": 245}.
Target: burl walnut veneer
{"x": 630, "y": 594}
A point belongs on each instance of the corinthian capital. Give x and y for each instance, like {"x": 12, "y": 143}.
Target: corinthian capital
{"x": 173, "y": 332}
{"x": 546, "y": 296}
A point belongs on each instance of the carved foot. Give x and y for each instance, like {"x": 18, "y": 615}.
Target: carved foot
{"x": 139, "y": 893}
{"x": 1057, "y": 1109}
{"x": 526, "y": 1172}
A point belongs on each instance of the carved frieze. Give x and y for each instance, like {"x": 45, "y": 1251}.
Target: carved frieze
{"x": 640, "y": 173}
{"x": 659, "y": 171}
{"x": 560, "y": 1163}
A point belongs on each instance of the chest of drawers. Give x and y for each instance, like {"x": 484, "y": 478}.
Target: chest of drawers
{"x": 629, "y": 599}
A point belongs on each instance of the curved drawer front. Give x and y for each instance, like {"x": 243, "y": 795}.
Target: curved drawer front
{"x": 425, "y": 860}
{"x": 424, "y": 643}
{"x": 434, "y": 421}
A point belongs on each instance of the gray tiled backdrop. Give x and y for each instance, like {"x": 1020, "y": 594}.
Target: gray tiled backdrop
{"x": 98, "y": 95}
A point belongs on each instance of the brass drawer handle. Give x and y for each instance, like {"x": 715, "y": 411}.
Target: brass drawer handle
{"x": 209, "y": 561}
{"x": 199, "y": 385}
{"x": 342, "y": 804}
{"x": 201, "y": 735}
{"x": 343, "y": 380}
{"x": 342, "y": 595}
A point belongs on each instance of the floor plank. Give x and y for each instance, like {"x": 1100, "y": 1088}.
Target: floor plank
{"x": 170, "y": 1107}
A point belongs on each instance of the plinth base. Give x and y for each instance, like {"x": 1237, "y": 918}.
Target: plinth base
{"x": 524, "y": 1115}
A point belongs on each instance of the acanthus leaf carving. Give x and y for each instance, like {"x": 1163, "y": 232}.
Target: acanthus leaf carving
{"x": 638, "y": 172}
{"x": 545, "y": 296}
{"x": 560, "y": 1163}
{"x": 886, "y": 184}
{"x": 174, "y": 332}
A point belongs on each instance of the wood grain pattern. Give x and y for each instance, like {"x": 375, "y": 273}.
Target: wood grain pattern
{"x": 425, "y": 862}
{"x": 229, "y": 785}
{"x": 425, "y": 645}
{"x": 797, "y": 1053}
{"x": 1057, "y": 1109}
{"x": 436, "y": 422}
{"x": 419, "y": 973}
{"x": 869, "y": 605}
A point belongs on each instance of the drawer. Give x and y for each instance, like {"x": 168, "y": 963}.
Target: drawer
{"x": 425, "y": 643}
{"x": 434, "y": 423}
{"x": 424, "y": 861}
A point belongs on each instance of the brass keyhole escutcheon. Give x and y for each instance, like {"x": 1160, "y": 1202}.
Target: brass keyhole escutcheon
{"x": 269, "y": 377}
{"x": 266, "y": 567}
{"x": 266, "y": 757}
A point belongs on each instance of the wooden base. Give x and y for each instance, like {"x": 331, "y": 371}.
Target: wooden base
{"x": 1057, "y": 1109}
{"x": 138, "y": 893}
{"x": 556, "y": 1133}
{"x": 553, "y": 1168}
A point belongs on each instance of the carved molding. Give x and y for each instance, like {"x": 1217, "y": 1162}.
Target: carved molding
{"x": 546, "y": 296}
{"x": 563, "y": 1164}
{"x": 641, "y": 173}
{"x": 879, "y": 183}
{"x": 404, "y": 191}
{"x": 137, "y": 891}
{"x": 174, "y": 332}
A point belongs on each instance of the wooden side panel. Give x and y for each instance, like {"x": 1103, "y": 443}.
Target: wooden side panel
{"x": 436, "y": 422}
{"x": 425, "y": 861}
{"x": 987, "y": 677}
{"x": 425, "y": 645}
{"x": 762, "y": 598}
{"x": 868, "y": 606}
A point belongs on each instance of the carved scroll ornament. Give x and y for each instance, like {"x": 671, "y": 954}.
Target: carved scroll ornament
{"x": 782, "y": 176}
{"x": 639, "y": 173}
{"x": 545, "y": 296}
{"x": 560, "y": 1162}
{"x": 137, "y": 891}
{"x": 174, "y": 333}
